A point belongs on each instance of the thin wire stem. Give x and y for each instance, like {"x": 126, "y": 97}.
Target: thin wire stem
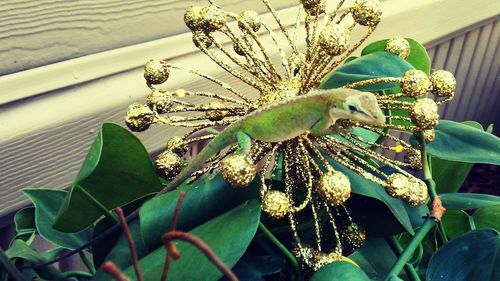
{"x": 278, "y": 244}
{"x": 397, "y": 249}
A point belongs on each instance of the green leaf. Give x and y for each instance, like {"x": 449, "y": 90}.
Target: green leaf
{"x": 24, "y": 220}
{"x": 450, "y": 175}
{"x": 473, "y": 256}
{"x": 341, "y": 271}
{"x": 487, "y": 217}
{"x": 362, "y": 186}
{"x": 47, "y": 203}
{"x": 418, "y": 57}
{"x": 467, "y": 201}
{"x": 228, "y": 235}
{"x": 455, "y": 222}
{"x": 375, "y": 258}
{"x": 117, "y": 170}
{"x": 374, "y": 65}
{"x": 205, "y": 199}
{"x": 463, "y": 143}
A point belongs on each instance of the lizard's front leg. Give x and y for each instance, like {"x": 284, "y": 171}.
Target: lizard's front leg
{"x": 245, "y": 143}
{"x": 322, "y": 127}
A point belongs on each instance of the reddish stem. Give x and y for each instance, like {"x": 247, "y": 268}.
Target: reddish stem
{"x": 131, "y": 245}
{"x": 114, "y": 271}
{"x": 168, "y": 238}
{"x": 165, "y": 268}
{"x": 175, "y": 218}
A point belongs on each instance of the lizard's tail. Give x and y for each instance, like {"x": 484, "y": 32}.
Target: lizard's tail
{"x": 224, "y": 139}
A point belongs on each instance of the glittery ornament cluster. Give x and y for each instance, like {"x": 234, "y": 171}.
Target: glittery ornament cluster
{"x": 334, "y": 187}
{"x": 238, "y": 170}
{"x": 399, "y": 47}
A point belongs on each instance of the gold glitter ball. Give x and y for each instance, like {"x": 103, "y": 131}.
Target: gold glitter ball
{"x": 213, "y": 18}
{"x": 399, "y": 47}
{"x": 334, "y": 187}
{"x": 424, "y": 113}
{"x": 238, "y": 170}
{"x": 155, "y": 72}
{"x": 397, "y": 185}
{"x": 202, "y": 40}
{"x": 334, "y": 40}
{"x": 366, "y": 12}
{"x": 241, "y": 45}
{"x": 353, "y": 235}
{"x": 160, "y": 100}
{"x": 168, "y": 164}
{"x": 321, "y": 259}
{"x": 139, "y": 117}
{"x": 314, "y": 7}
{"x": 415, "y": 83}
{"x": 250, "y": 18}
{"x": 177, "y": 145}
{"x": 276, "y": 204}
{"x": 216, "y": 114}
{"x": 429, "y": 135}
{"x": 296, "y": 62}
{"x": 282, "y": 91}
{"x": 193, "y": 17}
{"x": 443, "y": 83}
{"x": 414, "y": 158}
{"x": 418, "y": 193}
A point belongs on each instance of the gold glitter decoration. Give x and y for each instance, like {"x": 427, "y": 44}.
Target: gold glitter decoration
{"x": 443, "y": 83}
{"x": 424, "y": 113}
{"x": 314, "y": 7}
{"x": 238, "y": 170}
{"x": 418, "y": 193}
{"x": 241, "y": 50}
{"x": 250, "y": 18}
{"x": 276, "y": 204}
{"x": 334, "y": 187}
{"x": 155, "y": 72}
{"x": 296, "y": 62}
{"x": 321, "y": 259}
{"x": 168, "y": 164}
{"x": 193, "y": 17}
{"x": 334, "y": 40}
{"x": 177, "y": 145}
{"x": 413, "y": 157}
{"x": 366, "y": 12}
{"x": 159, "y": 100}
{"x": 415, "y": 83}
{"x": 397, "y": 185}
{"x": 399, "y": 47}
{"x": 429, "y": 135}
{"x": 139, "y": 117}
{"x": 202, "y": 39}
{"x": 213, "y": 18}
{"x": 354, "y": 236}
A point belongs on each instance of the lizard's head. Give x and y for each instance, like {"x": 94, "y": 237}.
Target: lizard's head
{"x": 362, "y": 107}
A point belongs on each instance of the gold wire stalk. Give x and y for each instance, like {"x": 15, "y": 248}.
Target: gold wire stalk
{"x": 309, "y": 183}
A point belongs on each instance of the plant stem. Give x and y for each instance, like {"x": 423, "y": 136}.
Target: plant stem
{"x": 397, "y": 249}
{"x": 6, "y": 264}
{"x": 280, "y": 246}
{"x": 91, "y": 199}
{"x": 87, "y": 262}
{"x": 408, "y": 252}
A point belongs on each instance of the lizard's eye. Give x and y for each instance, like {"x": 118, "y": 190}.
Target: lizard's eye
{"x": 352, "y": 108}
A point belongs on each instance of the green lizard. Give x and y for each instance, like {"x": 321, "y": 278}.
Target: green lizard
{"x": 315, "y": 112}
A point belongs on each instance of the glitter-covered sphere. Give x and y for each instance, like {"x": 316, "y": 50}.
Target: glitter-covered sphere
{"x": 242, "y": 45}
{"x": 429, "y": 135}
{"x": 202, "y": 40}
{"x": 334, "y": 187}
{"x": 177, "y": 145}
{"x": 353, "y": 236}
{"x": 399, "y": 47}
{"x": 296, "y": 62}
{"x": 321, "y": 259}
{"x": 413, "y": 157}
{"x": 314, "y": 7}
{"x": 443, "y": 83}
{"x": 168, "y": 164}
{"x": 213, "y": 18}
{"x": 366, "y": 12}
{"x": 160, "y": 100}
{"x": 276, "y": 204}
{"x": 415, "y": 83}
{"x": 238, "y": 170}
{"x": 139, "y": 117}
{"x": 397, "y": 185}
{"x": 155, "y": 72}
{"x": 250, "y": 18}
{"x": 334, "y": 40}
{"x": 424, "y": 113}
{"x": 418, "y": 193}
{"x": 193, "y": 18}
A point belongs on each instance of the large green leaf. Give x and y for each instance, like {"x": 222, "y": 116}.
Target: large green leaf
{"x": 117, "y": 170}
{"x": 487, "y": 217}
{"x": 24, "y": 220}
{"x": 341, "y": 271}
{"x": 375, "y": 258}
{"x": 47, "y": 202}
{"x": 228, "y": 235}
{"x": 418, "y": 55}
{"x": 473, "y": 256}
{"x": 450, "y": 175}
{"x": 455, "y": 222}
{"x": 467, "y": 201}
{"x": 463, "y": 143}
{"x": 204, "y": 200}
{"x": 374, "y": 65}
